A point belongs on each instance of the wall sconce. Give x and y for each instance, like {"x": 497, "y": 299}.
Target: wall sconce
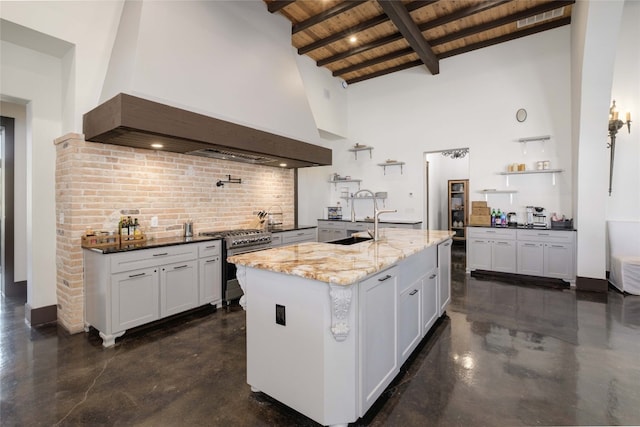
{"x": 614, "y": 126}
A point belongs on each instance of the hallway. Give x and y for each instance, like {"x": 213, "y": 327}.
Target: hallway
{"x": 506, "y": 355}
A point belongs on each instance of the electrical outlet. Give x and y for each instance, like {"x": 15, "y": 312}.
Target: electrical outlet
{"x": 280, "y": 315}
{"x": 154, "y": 221}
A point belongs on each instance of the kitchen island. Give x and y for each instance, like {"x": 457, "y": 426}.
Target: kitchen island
{"x": 328, "y": 326}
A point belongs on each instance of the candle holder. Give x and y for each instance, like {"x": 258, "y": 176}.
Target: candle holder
{"x": 615, "y": 124}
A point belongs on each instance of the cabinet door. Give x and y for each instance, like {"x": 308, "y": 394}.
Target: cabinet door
{"x": 378, "y": 335}
{"x": 409, "y": 321}
{"x": 209, "y": 281}
{"x": 479, "y": 255}
{"x": 530, "y": 258}
{"x": 134, "y": 299}
{"x": 429, "y": 300}
{"x": 444, "y": 276}
{"x": 558, "y": 260}
{"x": 503, "y": 256}
{"x": 178, "y": 287}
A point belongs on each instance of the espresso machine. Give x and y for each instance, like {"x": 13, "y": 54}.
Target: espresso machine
{"x": 539, "y": 218}
{"x": 529, "y": 222}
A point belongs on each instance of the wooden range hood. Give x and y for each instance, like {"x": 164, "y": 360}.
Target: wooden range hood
{"x": 135, "y": 122}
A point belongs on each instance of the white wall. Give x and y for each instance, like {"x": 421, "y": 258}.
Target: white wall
{"x": 594, "y": 34}
{"x": 624, "y": 202}
{"x": 463, "y": 108}
{"x": 37, "y": 78}
{"x": 19, "y": 113}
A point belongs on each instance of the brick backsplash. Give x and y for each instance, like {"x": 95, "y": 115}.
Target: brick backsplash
{"x": 98, "y": 183}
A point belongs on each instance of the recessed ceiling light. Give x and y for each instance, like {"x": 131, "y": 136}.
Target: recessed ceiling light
{"x": 353, "y": 39}
{"x": 283, "y": 165}
{"x": 156, "y": 145}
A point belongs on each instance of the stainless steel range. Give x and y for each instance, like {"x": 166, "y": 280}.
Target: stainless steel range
{"x": 237, "y": 242}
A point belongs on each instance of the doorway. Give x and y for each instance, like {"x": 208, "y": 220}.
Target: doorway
{"x": 440, "y": 167}
{"x": 7, "y": 161}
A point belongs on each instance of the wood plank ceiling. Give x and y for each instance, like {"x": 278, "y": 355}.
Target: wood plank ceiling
{"x": 395, "y": 35}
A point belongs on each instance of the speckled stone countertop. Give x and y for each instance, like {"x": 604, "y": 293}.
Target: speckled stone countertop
{"x": 343, "y": 265}
{"x": 153, "y": 243}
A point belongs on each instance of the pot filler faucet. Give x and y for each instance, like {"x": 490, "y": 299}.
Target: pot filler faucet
{"x": 376, "y": 212}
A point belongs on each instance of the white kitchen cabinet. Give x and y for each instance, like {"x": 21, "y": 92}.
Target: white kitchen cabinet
{"x": 178, "y": 287}
{"x": 290, "y": 237}
{"x": 491, "y": 249}
{"x": 558, "y": 261}
{"x": 430, "y": 302}
{"x": 530, "y": 258}
{"x": 209, "y": 273}
{"x": 378, "y": 335}
{"x": 134, "y": 298}
{"x": 334, "y": 230}
{"x": 331, "y": 230}
{"x": 128, "y": 289}
{"x": 409, "y": 321}
{"x": 444, "y": 276}
{"x": 547, "y": 253}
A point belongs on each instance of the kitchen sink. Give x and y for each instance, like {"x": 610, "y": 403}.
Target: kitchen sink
{"x": 350, "y": 240}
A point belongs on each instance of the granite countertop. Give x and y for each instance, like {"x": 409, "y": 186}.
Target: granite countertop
{"x": 342, "y": 264}
{"x": 154, "y": 243}
{"x": 394, "y": 221}
{"x": 522, "y": 227}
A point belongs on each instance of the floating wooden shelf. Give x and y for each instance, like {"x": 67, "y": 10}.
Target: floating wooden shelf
{"x": 384, "y": 166}
{"x": 361, "y": 148}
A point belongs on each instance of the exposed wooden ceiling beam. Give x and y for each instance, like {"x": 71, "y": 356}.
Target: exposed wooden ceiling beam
{"x": 397, "y": 36}
{"x": 508, "y": 37}
{"x": 376, "y": 20}
{"x": 386, "y": 71}
{"x": 276, "y": 5}
{"x": 329, "y": 13}
{"x": 500, "y": 22}
{"x": 403, "y": 21}
{"x": 458, "y": 35}
{"x": 518, "y": 34}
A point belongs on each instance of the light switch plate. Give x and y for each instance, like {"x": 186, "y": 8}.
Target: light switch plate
{"x": 154, "y": 221}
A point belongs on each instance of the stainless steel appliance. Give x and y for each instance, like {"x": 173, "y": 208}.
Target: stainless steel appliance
{"x": 237, "y": 242}
{"x": 512, "y": 219}
{"x": 539, "y": 218}
{"x": 529, "y": 222}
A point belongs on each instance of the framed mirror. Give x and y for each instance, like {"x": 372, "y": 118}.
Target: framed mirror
{"x": 521, "y": 115}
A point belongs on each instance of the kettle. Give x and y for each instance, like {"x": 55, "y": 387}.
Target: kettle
{"x": 512, "y": 219}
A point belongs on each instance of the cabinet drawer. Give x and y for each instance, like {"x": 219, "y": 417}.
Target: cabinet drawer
{"x": 145, "y": 258}
{"x": 296, "y": 236}
{"x": 207, "y": 249}
{"x": 548, "y": 236}
{"x": 354, "y": 227}
{"x": 490, "y": 233}
{"x": 276, "y": 239}
{"x": 331, "y": 224}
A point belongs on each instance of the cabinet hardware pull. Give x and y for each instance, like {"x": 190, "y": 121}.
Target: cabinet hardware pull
{"x": 180, "y": 267}
{"x": 529, "y": 244}
{"x": 415, "y": 291}
{"x": 433, "y": 276}
{"x": 447, "y": 244}
{"x": 211, "y": 260}
{"x": 137, "y": 275}
{"x": 543, "y": 234}
{"x": 382, "y": 279}
{"x": 211, "y": 247}
{"x": 162, "y": 254}
{"x": 489, "y": 231}
{"x": 300, "y": 234}
{"x": 557, "y": 246}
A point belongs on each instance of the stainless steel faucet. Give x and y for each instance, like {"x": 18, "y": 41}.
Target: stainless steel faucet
{"x": 353, "y": 207}
{"x": 376, "y": 214}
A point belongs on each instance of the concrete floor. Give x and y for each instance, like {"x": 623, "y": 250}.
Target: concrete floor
{"x": 505, "y": 355}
